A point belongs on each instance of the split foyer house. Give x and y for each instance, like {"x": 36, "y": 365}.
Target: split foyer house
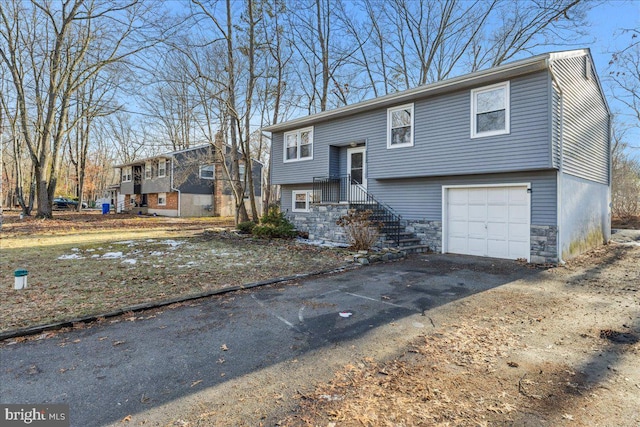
{"x": 190, "y": 182}
{"x": 510, "y": 162}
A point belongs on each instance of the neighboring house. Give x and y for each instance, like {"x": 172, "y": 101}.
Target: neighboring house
{"x": 186, "y": 183}
{"x": 510, "y": 162}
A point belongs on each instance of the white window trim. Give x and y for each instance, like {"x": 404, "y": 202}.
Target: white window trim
{"x": 389, "y": 112}
{"x": 148, "y": 170}
{"x": 213, "y": 176}
{"x": 297, "y": 132}
{"x": 308, "y": 197}
{"x": 162, "y": 170}
{"x": 507, "y": 110}
{"x": 165, "y": 199}
{"x": 127, "y": 173}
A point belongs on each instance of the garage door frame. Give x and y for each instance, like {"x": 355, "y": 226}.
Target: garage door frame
{"x": 445, "y": 202}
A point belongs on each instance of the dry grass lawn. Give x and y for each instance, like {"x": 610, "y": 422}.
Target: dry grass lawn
{"x": 89, "y": 264}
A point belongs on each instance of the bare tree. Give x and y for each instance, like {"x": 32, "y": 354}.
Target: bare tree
{"x": 625, "y": 74}
{"x": 625, "y": 171}
{"x": 51, "y": 51}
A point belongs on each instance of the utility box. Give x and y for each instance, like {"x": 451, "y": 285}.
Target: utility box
{"x": 21, "y": 279}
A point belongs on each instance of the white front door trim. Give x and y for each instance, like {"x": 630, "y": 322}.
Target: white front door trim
{"x": 362, "y": 150}
{"x": 445, "y": 213}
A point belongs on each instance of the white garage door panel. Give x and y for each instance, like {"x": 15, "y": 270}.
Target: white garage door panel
{"x": 488, "y": 221}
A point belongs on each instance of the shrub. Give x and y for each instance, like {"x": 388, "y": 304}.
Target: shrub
{"x": 246, "y": 227}
{"x": 362, "y": 233}
{"x": 274, "y": 224}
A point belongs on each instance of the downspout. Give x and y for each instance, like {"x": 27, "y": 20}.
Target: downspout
{"x": 175, "y": 189}
{"x": 561, "y": 166}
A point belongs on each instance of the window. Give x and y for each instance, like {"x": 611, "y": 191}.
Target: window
{"x": 400, "y": 126}
{"x": 207, "y": 171}
{"x": 148, "y": 172}
{"x": 162, "y": 199}
{"x": 298, "y": 145}
{"x": 301, "y": 200}
{"x": 490, "y": 110}
{"x": 126, "y": 174}
{"x": 162, "y": 168}
{"x": 241, "y": 171}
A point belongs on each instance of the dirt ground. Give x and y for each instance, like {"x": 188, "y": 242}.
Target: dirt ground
{"x": 561, "y": 350}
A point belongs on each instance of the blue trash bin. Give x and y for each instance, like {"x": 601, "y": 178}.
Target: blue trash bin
{"x": 105, "y": 208}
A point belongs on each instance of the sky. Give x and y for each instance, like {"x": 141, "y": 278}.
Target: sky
{"x": 606, "y": 20}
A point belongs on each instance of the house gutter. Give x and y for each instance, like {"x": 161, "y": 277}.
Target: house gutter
{"x": 561, "y": 166}
{"x": 175, "y": 189}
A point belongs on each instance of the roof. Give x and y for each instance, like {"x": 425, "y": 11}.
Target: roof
{"x": 172, "y": 154}
{"x": 168, "y": 155}
{"x": 508, "y": 70}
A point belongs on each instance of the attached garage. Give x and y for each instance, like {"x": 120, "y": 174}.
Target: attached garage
{"x": 491, "y": 220}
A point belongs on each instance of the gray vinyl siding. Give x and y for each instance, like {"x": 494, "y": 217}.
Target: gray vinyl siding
{"x": 421, "y": 198}
{"x": 286, "y": 196}
{"x": 585, "y": 127}
{"x": 126, "y": 187}
{"x": 442, "y": 138}
{"x": 156, "y": 184}
{"x": 187, "y": 170}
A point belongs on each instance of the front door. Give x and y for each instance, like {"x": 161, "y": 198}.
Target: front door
{"x": 356, "y": 166}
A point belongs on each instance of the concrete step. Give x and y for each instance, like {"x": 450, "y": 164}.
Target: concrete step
{"x": 404, "y": 242}
{"x": 415, "y": 249}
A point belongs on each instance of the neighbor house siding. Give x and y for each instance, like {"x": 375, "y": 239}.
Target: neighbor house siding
{"x": 421, "y": 198}
{"x": 442, "y": 140}
{"x": 156, "y": 184}
{"x": 585, "y": 127}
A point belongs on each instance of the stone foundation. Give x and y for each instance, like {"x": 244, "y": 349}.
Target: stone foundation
{"x": 429, "y": 233}
{"x": 544, "y": 244}
{"x": 320, "y": 222}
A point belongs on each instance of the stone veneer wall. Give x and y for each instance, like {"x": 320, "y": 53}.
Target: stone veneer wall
{"x": 320, "y": 222}
{"x": 429, "y": 233}
{"x": 544, "y": 244}
{"x": 544, "y": 239}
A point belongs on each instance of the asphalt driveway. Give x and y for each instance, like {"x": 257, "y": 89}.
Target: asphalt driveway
{"x": 132, "y": 364}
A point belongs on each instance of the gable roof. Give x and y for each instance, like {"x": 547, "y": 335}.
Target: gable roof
{"x": 505, "y": 71}
{"x": 172, "y": 154}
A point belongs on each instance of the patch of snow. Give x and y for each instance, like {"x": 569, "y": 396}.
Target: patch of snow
{"x": 95, "y": 256}
{"x": 189, "y": 264}
{"x": 125, "y": 242}
{"x": 322, "y": 243}
{"x": 172, "y": 243}
{"x": 75, "y": 250}
{"x": 112, "y": 255}
{"x": 129, "y": 261}
{"x": 91, "y": 250}
{"x": 72, "y": 256}
{"x": 157, "y": 253}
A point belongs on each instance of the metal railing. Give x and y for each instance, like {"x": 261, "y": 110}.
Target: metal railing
{"x": 343, "y": 189}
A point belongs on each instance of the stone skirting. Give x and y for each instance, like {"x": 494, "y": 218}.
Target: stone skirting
{"x": 320, "y": 222}
{"x": 544, "y": 244}
{"x": 429, "y": 233}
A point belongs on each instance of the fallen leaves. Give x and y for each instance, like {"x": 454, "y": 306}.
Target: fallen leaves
{"x": 71, "y": 289}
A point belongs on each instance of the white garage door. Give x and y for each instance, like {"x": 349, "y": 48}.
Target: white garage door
{"x": 488, "y": 221}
